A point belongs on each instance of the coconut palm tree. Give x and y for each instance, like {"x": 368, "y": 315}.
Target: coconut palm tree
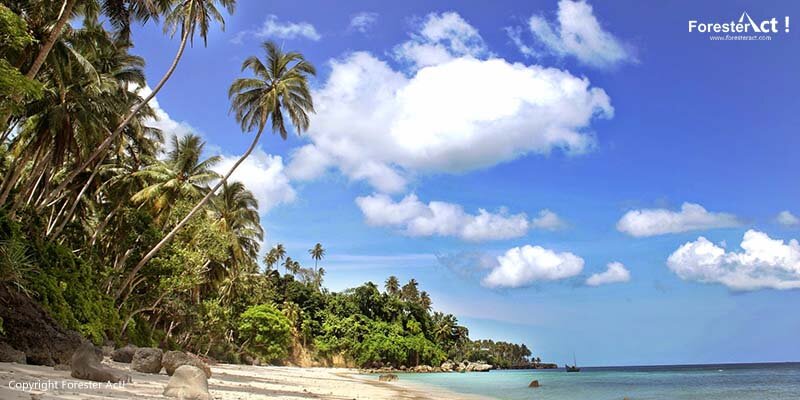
{"x": 392, "y": 285}
{"x": 279, "y": 87}
{"x": 235, "y": 212}
{"x": 317, "y": 253}
{"x": 186, "y": 16}
{"x": 425, "y": 300}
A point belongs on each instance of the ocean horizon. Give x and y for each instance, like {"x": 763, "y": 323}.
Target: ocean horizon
{"x": 731, "y": 381}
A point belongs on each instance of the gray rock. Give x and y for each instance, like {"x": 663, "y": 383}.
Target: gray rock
{"x": 447, "y": 366}
{"x": 10, "y": 354}
{"x": 86, "y": 365}
{"x": 124, "y": 355}
{"x": 387, "y": 378}
{"x": 478, "y": 367}
{"x": 147, "y": 360}
{"x": 174, "y": 359}
{"x": 188, "y": 383}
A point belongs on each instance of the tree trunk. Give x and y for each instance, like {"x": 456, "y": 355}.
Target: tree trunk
{"x": 113, "y": 136}
{"x": 186, "y": 219}
{"x": 74, "y": 206}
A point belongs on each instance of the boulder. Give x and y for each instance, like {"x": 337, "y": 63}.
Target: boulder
{"x": 10, "y": 354}
{"x": 174, "y": 359}
{"x": 478, "y": 367}
{"x": 125, "y": 354}
{"x": 107, "y": 350}
{"x": 85, "y": 364}
{"x": 147, "y": 360}
{"x": 534, "y": 384}
{"x": 188, "y": 383}
{"x": 387, "y": 378}
{"x": 447, "y": 366}
{"x": 28, "y": 328}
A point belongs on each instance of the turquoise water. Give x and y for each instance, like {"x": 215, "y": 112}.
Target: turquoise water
{"x": 707, "y": 382}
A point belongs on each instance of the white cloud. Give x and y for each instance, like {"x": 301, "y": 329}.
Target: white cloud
{"x": 438, "y": 218}
{"x": 548, "y": 220}
{"x": 526, "y": 265}
{"x": 659, "y": 221}
{"x": 577, "y": 33}
{"x": 615, "y": 273}
{"x": 264, "y": 175}
{"x": 274, "y": 28}
{"x": 377, "y": 124}
{"x": 363, "y": 21}
{"x": 441, "y": 37}
{"x": 764, "y": 263}
{"x": 786, "y": 218}
{"x": 168, "y": 126}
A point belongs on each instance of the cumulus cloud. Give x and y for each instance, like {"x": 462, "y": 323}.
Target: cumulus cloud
{"x": 763, "y": 263}
{"x": 786, "y": 218}
{"x": 168, "y": 126}
{"x": 437, "y": 218}
{"x": 264, "y": 175}
{"x": 363, "y": 21}
{"x": 275, "y": 28}
{"x": 526, "y": 265}
{"x": 659, "y": 221}
{"x": 615, "y": 273}
{"x": 441, "y": 38}
{"x": 577, "y": 33}
{"x": 378, "y": 124}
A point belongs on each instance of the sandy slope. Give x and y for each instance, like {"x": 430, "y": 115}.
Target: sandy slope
{"x": 228, "y": 382}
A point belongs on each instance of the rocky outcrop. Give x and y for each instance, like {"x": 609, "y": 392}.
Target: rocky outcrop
{"x": 423, "y": 368}
{"x": 85, "y": 364}
{"x": 478, "y": 367}
{"x": 147, "y": 360}
{"x": 188, "y": 383}
{"x": 534, "y": 384}
{"x": 174, "y": 359}
{"x": 447, "y": 366}
{"x": 10, "y": 354}
{"x": 125, "y": 354}
{"x": 387, "y": 378}
{"x": 29, "y": 329}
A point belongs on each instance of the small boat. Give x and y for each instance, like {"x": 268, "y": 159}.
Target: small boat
{"x": 574, "y": 367}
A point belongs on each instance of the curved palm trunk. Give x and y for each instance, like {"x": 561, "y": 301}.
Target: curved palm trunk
{"x": 114, "y": 135}
{"x": 44, "y": 51}
{"x": 186, "y": 219}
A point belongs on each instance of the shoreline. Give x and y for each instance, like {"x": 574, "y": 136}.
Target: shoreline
{"x": 228, "y": 382}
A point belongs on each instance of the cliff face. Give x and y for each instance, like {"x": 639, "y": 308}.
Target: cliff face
{"x": 28, "y": 328}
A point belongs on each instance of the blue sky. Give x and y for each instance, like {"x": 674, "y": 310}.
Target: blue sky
{"x": 580, "y": 152}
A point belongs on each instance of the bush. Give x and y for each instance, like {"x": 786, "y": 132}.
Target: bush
{"x": 266, "y": 332}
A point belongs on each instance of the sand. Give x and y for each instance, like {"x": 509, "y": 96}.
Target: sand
{"x": 228, "y": 382}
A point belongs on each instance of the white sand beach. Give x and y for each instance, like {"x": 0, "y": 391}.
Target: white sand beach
{"x": 228, "y": 382}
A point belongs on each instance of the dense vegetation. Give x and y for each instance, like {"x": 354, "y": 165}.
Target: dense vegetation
{"x": 124, "y": 235}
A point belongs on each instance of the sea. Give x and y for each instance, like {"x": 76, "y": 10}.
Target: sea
{"x": 773, "y": 381}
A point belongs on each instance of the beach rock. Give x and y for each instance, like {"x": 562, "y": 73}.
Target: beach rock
{"x": 125, "y": 354}
{"x": 423, "y": 368}
{"x": 107, "y": 350}
{"x": 387, "y": 378}
{"x": 188, "y": 383}
{"x": 147, "y": 360}
{"x": 478, "y": 367}
{"x": 85, "y": 364}
{"x": 10, "y": 354}
{"x": 534, "y": 384}
{"x": 174, "y": 359}
{"x": 447, "y": 366}
{"x": 28, "y": 328}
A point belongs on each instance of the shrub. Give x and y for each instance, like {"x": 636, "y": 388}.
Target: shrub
{"x": 266, "y": 332}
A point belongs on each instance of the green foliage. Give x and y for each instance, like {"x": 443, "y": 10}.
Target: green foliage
{"x": 266, "y": 331}
{"x": 14, "y": 37}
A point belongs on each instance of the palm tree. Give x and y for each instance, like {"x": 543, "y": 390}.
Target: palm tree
{"x": 235, "y": 212}
{"x": 291, "y": 266}
{"x": 392, "y": 285}
{"x": 270, "y": 260}
{"x": 181, "y": 176}
{"x": 186, "y": 16}
{"x": 317, "y": 253}
{"x": 425, "y": 300}
{"x": 280, "y": 87}
{"x": 410, "y": 291}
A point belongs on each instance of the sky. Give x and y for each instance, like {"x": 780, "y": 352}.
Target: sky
{"x": 587, "y": 177}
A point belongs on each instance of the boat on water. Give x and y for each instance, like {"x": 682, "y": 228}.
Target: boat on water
{"x": 574, "y": 367}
